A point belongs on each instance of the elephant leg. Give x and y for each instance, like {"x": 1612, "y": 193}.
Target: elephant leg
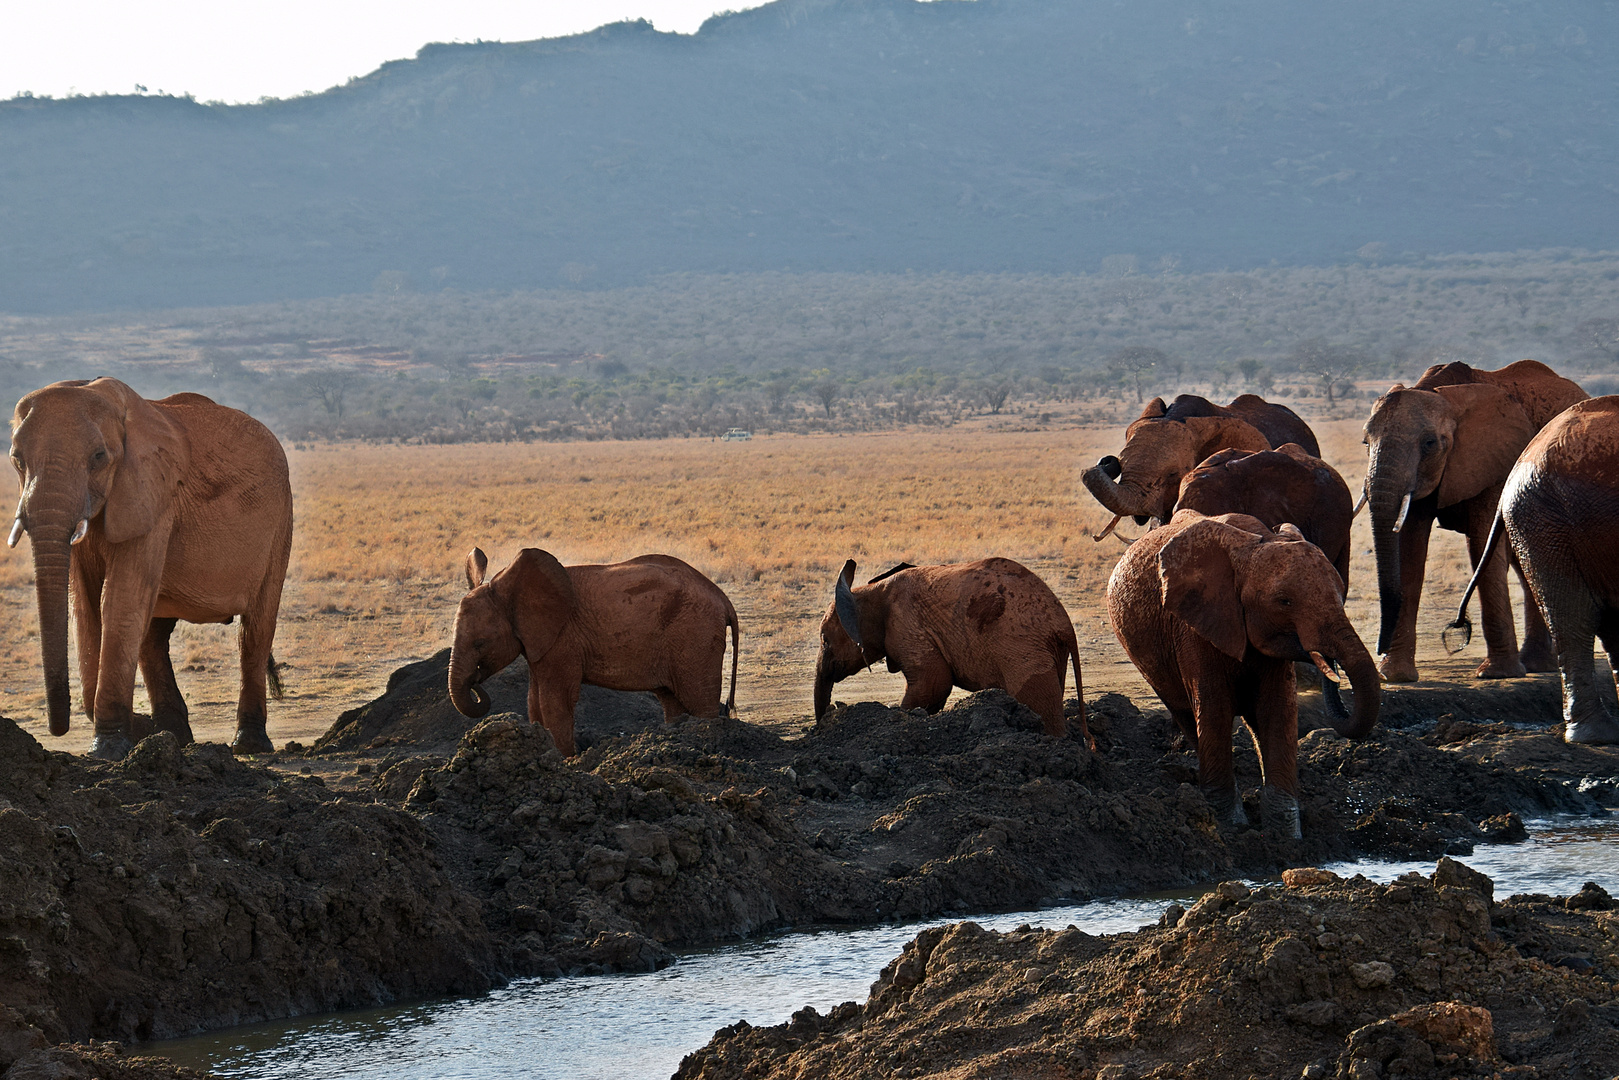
{"x": 1495, "y": 603}
{"x": 1538, "y": 653}
{"x": 1042, "y": 693}
{"x": 1577, "y": 615}
{"x": 928, "y": 685}
{"x": 672, "y": 708}
{"x": 551, "y": 703}
{"x": 169, "y": 712}
{"x": 1187, "y": 722}
{"x": 257, "y": 638}
{"x": 1602, "y": 728}
{"x": 1399, "y": 664}
{"x": 1274, "y": 723}
{"x": 1216, "y": 775}
{"x": 128, "y": 598}
{"x": 699, "y": 694}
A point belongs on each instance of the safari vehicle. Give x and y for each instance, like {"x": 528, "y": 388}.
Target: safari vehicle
{"x": 736, "y": 434}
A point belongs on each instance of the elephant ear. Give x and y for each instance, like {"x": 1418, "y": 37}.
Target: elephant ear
{"x": 1491, "y": 431}
{"x": 477, "y": 567}
{"x": 155, "y": 459}
{"x": 847, "y": 608}
{"x": 1211, "y": 434}
{"x": 1155, "y": 408}
{"x": 542, "y": 597}
{"x": 1200, "y": 583}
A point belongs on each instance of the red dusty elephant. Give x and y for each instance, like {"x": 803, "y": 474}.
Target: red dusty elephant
{"x": 1166, "y": 443}
{"x": 158, "y": 511}
{"x": 1440, "y": 451}
{"x": 651, "y": 623}
{"x": 1560, "y": 510}
{"x": 1214, "y": 611}
{"x": 977, "y": 625}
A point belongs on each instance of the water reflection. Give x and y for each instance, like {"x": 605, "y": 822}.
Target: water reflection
{"x": 621, "y": 1026}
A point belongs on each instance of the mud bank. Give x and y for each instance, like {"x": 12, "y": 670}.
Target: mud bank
{"x": 183, "y": 890}
{"x": 1321, "y": 978}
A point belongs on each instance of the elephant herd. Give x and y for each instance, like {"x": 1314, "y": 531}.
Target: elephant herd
{"x": 157, "y": 511}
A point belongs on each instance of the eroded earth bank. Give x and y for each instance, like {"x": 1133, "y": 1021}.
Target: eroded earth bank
{"x": 182, "y": 890}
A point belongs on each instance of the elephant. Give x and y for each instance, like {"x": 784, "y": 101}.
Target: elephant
{"x": 1166, "y": 443}
{"x": 157, "y": 511}
{"x": 977, "y": 625}
{"x": 1560, "y": 511}
{"x": 650, "y": 623}
{"x": 1285, "y": 485}
{"x": 1439, "y": 452}
{"x": 1214, "y": 611}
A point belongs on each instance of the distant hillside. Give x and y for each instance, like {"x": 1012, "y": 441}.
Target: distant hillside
{"x": 839, "y": 135}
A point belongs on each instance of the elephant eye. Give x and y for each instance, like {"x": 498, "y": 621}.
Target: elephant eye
{"x": 1285, "y": 601}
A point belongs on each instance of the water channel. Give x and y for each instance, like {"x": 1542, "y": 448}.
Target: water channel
{"x": 607, "y": 1027}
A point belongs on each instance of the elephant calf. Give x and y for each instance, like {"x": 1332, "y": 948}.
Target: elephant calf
{"x": 991, "y": 623}
{"x": 1214, "y": 611}
{"x": 651, "y": 623}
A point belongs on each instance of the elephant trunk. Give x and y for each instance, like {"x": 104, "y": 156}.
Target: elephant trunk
{"x": 1127, "y": 499}
{"x": 469, "y": 700}
{"x": 51, "y": 559}
{"x": 1389, "y": 491}
{"x": 1358, "y": 664}
{"x": 823, "y": 688}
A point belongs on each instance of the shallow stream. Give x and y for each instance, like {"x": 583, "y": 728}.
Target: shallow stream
{"x": 638, "y": 1026}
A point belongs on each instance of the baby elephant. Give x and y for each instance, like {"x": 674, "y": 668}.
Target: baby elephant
{"x": 1213, "y": 611}
{"x": 652, "y": 623}
{"x": 973, "y": 625}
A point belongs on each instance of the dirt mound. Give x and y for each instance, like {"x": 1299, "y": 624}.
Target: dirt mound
{"x": 182, "y": 890}
{"x": 1321, "y": 979}
{"x": 88, "y": 1061}
{"x": 415, "y": 711}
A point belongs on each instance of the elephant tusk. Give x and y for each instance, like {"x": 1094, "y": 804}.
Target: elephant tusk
{"x": 1114, "y": 524}
{"x": 1365, "y": 497}
{"x": 16, "y": 533}
{"x": 1405, "y": 508}
{"x": 78, "y": 533}
{"x": 1326, "y": 668}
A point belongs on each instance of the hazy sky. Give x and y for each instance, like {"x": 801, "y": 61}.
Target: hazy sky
{"x": 242, "y": 50}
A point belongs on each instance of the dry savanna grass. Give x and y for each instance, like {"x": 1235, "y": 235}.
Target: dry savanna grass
{"x": 383, "y": 531}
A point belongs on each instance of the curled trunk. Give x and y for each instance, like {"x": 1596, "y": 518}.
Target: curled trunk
{"x": 1124, "y": 499}
{"x": 823, "y": 690}
{"x": 1363, "y": 679}
{"x": 469, "y": 700}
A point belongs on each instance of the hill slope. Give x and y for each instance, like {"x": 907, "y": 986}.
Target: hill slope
{"x": 1034, "y": 135}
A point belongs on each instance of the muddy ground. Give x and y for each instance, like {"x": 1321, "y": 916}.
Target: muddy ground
{"x": 1319, "y": 978}
{"x": 413, "y": 853}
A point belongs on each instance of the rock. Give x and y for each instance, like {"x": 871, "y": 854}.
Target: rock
{"x": 1503, "y": 829}
{"x": 1450, "y": 1027}
{"x": 1232, "y": 890}
{"x": 1591, "y": 897}
{"x": 1305, "y": 876}
{"x": 1461, "y": 876}
{"x": 1372, "y": 974}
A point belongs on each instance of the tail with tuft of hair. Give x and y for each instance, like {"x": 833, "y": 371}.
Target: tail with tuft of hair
{"x": 272, "y": 674}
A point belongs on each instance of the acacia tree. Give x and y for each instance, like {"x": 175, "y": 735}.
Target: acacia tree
{"x": 1332, "y": 364}
{"x": 1136, "y": 362}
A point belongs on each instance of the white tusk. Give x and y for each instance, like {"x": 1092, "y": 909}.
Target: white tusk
{"x": 1099, "y": 537}
{"x": 1364, "y": 497}
{"x": 78, "y": 533}
{"x": 16, "y": 533}
{"x": 1405, "y": 508}
{"x": 1326, "y": 668}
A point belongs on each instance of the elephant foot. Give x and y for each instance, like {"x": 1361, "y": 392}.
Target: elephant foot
{"x": 110, "y": 746}
{"x": 1592, "y": 730}
{"x": 1281, "y": 812}
{"x": 1500, "y": 669}
{"x": 179, "y": 727}
{"x": 1538, "y": 657}
{"x": 252, "y": 740}
{"x": 1397, "y": 671}
{"x": 1227, "y": 805}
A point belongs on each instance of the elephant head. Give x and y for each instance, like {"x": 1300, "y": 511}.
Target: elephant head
{"x": 851, "y": 637}
{"x": 1247, "y": 588}
{"x": 1144, "y": 480}
{"x": 91, "y": 458}
{"x": 521, "y": 611}
{"x": 1452, "y": 442}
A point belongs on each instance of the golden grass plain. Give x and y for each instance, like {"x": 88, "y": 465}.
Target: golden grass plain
{"x": 382, "y": 532}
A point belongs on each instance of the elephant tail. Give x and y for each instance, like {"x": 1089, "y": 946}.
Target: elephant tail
{"x": 736, "y": 652}
{"x": 272, "y": 676}
{"x": 1079, "y": 688}
{"x": 1462, "y": 625}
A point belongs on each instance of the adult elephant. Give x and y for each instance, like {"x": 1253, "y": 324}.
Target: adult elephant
{"x": 1166, "y": 442}
{"x": 1560, "y": 510}
{"x": 158, "y": 511}
{"x": 1214, "y": 611}
{"x": 649, "y": 623}
{"x": 1281, "y": 486}
{"x": 977, "y": 625}
{"x": 1439, "y": 452}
